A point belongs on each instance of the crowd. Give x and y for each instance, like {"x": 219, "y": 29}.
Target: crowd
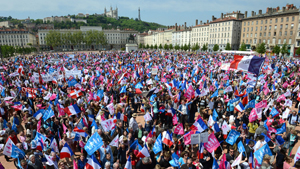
{"x": 149, "y": 109}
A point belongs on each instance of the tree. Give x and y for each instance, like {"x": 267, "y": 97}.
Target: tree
{"x": 284, "y": 49}
{"x": 177, "y": 47}
{"x": 77, "y": 38}
{"x": 140, "y": 45}
{"x": 185, "y": 47}
{"x": 151, "y": 46}
{"x": 204, "y": 47}
{"x": 228, "y": 47}
{"x": 53, "y": 39}
{"x": 155, "y": 46}
{"x": 170, "y": 46}
{"x": 216, "y": 47}
{"x": 243, "y": 47}
{"x": 298, "y": 51}
{"x": 160, "y": 46}
{"x": 276, "y": 50}
{"x": 195, "y": 47}
{"x": 166, "y": 47}
{"x": 181, "y": 47}
{"x": 147, "y": 46}
{"x": 95, "y": 37}
{"x": 261, "y": 48}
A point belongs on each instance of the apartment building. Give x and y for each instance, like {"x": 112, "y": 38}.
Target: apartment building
{"x": 226, "y": 29}
{"x": 276, "y": 26}
{"x": 55, "y": 19}
{"x": 16, "y": 37}
{"x": 200, "y": 33}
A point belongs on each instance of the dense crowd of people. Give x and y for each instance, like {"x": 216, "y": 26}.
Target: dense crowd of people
{"x": 148, "y": 109}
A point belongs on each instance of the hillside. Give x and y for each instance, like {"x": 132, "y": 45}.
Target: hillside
{"x": 105, "y": 22}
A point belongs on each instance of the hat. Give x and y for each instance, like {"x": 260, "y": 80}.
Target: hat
{"x": 134, "y": 115}
{"x": 244, "y": 126}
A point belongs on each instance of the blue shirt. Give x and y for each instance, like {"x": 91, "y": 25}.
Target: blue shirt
{"x": 102, "y": 153}
{"x": 81, "y": 164}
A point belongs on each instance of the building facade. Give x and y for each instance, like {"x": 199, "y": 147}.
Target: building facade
{"x": 200, "y": 34}
{"x": 225, "y": 30}
{"x": 6, "y": 24}
{"x": 276, "y": 26}
{"x": 17, "y": 37}
{"x": 56, "y": 19}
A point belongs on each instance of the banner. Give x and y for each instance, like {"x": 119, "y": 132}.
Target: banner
{"x": 108, "y": 125}
{"x": 46, "y": 77}
{"x": 232, "y": 136}
{"x": 93, "y": 144}
{"x": 212, "y": 143}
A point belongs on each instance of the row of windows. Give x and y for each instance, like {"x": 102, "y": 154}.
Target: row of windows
{"x": 268, "y": 41}
{"x": 219, "y": 41}
{"x": 200, "y": 34}
{"x": 269, "y": 20}
{"x": 13, "y": 36}
{"x": 17, "y": 41}
{"x": 222, "y": 24}
{"x": 9, "y": 44}
{"x": 269, "y": 34}
{"x": 270, "y": 27}
{"x": 12, "y": 32}
{"x": 201, "y": 29}
{"x": 199, "y": 39}
{"x": 216, "y": 29}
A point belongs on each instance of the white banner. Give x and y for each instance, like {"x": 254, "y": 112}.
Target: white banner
{"x": 46, "y": 77}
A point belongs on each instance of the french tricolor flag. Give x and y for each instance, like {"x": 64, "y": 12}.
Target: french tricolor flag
{"x": 128, "y": 164}
{"x": 72, "y": 110}
{"x": 171, "y": 112}
{"x": 40, "y": 145}
{"x": 239, "y": 107}
{"x": 91, "y": 118}
{"x": 199, "y": 125}
{"x": 247, "y": 63}
{"x": 39, "y": 114}
{"x": 66, "y": 152}
{"x": 92, "y": 163}
{"x": 167, "y": 139}
{"x": 80, "y": 132}
{"x": 142, "y": 108}
{"x": 251, "y": 161}
{"x": 200, "y": 152}
{"x": 144, "y": 152}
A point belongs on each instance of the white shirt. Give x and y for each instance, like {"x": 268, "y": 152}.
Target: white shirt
{"x": 258, "y": 145}
{"x": 133, "y": 124}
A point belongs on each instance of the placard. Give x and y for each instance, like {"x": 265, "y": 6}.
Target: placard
{"x": 204, "y": 137}
{"x": 195, "y": 139}
{"x": 154, "y": 71}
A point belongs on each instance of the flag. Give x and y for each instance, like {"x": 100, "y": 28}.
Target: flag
{"x": 239, "y": 107}
{"x": 199, "y": 125}
{"x": 215, "y": 94}
{"x": 128, "y": 164}
{"x": 66, "y": 152}
{"x": 115, "y": 142}
{"x": 80, "y": 132}
{"x": 8, "y": 147}
{"x": 245, "y": 101}
{"x": 175, "y": 160}
{"x": 16, "y": 152}
{"x": 144, "y": 152}
{"x": 279, "y": 140}
{"x": 297, "y": 155}
{"x": 167, "y": 138}
{"x": 171, "y": 112}
{"x": 274, "y": 112}
{"x": 75, "y": 94}
{"x": 241, "y": 147}
{"x": 238, "y": 160}
{"x": 250, "y": 104}
{"x": 232, "y": 137}
{"x": 123, "y": 89}
{"x": 40, "y": 145}
{"x": 54, "y": 145}
{"x": 251, "y": 161}
{"x": 72, "y": 110}
{"x": 92, "y": 163}
{"x": 48, "y": 113}
{"x": 282, "y": 129}
{"x": 212, "y": 143}
{"x": 247, "y": 63}
{"x": 93, "y": 143}
{"x": 39, "y": 114}
{"x": 215, "y": 164}
{"x": 178, "y": 129}
{"x": 260, "y": 153}
{"x": 200, "y": 152}
{"x": 158, "y": 145}
{"x": 216, "y": 127}
{"x": 215, "y": 115}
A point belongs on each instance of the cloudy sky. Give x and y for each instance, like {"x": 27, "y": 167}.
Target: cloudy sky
{"x": 166, "y": 12}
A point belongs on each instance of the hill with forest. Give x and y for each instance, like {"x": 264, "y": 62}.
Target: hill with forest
{"x": 93, "y": 20}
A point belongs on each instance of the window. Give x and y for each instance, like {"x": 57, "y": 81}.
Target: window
{"x": 266, "y": 21}
{"x": 287, "y": 19}
{"x": 252, "y": 22}
{"x": 251, "y": 35}
{"x": 269, "y": 34}
{"x": 285, "y": 33}
{"x": 264, "y": 41}
{"x": 276, "y": 20}
{"x": 270, "y": 27}
{"x": 260, "y": 34}
{"x": 248, "y": 23}
{"x": 274, "y": 33}
{"x": 281, "y": 19}
{"x": 291, "y": 33}
{"x": 259, "y": 41}
{"x": 281, "y": 26}
{"x": 250, "y": 40}
{"x": 268, "y": 41}
{"x": 262, "y": 22}
{"x": 275, "y": 27}
{"x": 265, "y": 27}
{"x": 284, "y": 41}
{"x": 280, "y": 33}
{"x": 256, "y": 22}
{"x": 286, "y": 26}
{"x": 293, "y": 18}
{"x": 279, "y": 41}
{"x": 248, "y": 29}
{"x": 251, "y": 28}
{"x": 247, "y": 41}
{"x": 292, "y": 26}
{"x": 255, "y": 28}
{"x": 255, "y": 34}
{"x": 290, "y": 41}
{"x": 254, "y": 41}
{"x": 264, "y": 33}
{"x": 274, "y": 40}
{"x": 243, "y": 35}
{"x": 247, "y": 35}
{"x": 270, "y": 20}
{"x": 244, "y": 23}
{"x": 261, "y": 28}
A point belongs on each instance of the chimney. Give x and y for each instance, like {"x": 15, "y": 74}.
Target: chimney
{"x": 277, "y": 9}
{"x": 201, "y": 22}
{"x": 168, "y": 27}
{"x": 175, "y": 26}
{"x": 184, "y": 25}
{"x": 252, "y": 13}
{"x": 207, "y": 21}
{"x": 221, "y": 15}
{"x": 179, "y": 28}
{"x": 260, "y": 12}
{"x": 196, "y": 21}
{"x": 238, "y": 16}
{"x": 212, "y": 18}
{"x": 246, "y": 12}
{"x": 283, "y": 9}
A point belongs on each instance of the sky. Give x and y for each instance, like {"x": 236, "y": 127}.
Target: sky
{"x": 165, "y": 12}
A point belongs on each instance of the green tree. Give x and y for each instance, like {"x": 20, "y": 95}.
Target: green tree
{"x": 140, "y": 45}
{"x": 160, "y": 46}
{"x": 216, "y": 47}
{"x": 243, "y": 47}
{"x": 204, "y": 47}
{"x": 284, "y": 49}
{"x": 170, "y": 46}
{"x": 95, "y": 37}
{"x": 177, "y": 47}
{"x": 147, "y": 46}
{"x": 77, "y": 38}
{"x": 228, "y": 47}
{"x": 166, "y": 47}
{"x": 261, "y": 48}
{"x": 53, "y": 39}
{"x": 195, "y": 47}
{"x": 155, "y": 46}
{"x": 298, "y": 51}
{"x": 181, "y": 47}
{"x": 276, "y": 50}
{"x": 151, "y": 46}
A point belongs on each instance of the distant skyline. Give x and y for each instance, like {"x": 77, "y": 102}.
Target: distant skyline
{"x": 166, "y": 12}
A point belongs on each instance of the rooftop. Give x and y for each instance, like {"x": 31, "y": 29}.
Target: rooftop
{"x": 230, "y": 18}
